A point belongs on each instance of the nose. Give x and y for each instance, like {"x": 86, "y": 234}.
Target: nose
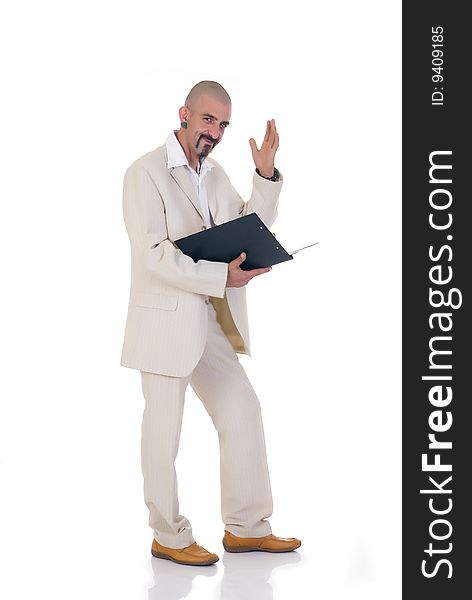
{"x": 214, "y": 131}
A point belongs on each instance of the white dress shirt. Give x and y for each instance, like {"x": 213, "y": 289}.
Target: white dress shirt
{"x": 176, "y": 158}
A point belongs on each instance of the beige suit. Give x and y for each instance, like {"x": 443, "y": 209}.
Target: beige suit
{"x": 185, "y": 327}
{"x": 167, "y": 318}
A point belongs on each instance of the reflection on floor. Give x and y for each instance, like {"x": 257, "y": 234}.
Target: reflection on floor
{"x": 245, "y": 576}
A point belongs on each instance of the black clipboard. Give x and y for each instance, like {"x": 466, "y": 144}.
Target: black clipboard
{"x": 223, "y": 243}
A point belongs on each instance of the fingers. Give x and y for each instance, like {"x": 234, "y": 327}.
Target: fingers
{"x": 254, "y": 148}
{"x": 239, "y": 278}
{"x": 274, "y": 136}
{"x": 256, "y": 272}
{"x": 234, "y": 264}
{"x": 276, "y": 144}
{"x": 267, "y": 132}
{"x": 271, "y": 138}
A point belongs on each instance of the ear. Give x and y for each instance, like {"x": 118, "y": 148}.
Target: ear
{"x": 183, "y": 113}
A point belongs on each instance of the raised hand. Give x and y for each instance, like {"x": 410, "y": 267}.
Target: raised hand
{"x": 264, "y": 157}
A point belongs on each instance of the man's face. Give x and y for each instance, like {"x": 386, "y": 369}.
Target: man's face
{"x": 206, "y": 124}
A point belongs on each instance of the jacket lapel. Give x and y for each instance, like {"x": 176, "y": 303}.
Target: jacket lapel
{"x": 211, "y": 195}
{"x": 183, "y": 181}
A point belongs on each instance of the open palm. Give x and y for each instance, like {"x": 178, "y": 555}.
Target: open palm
{"x": 265, "y": 155}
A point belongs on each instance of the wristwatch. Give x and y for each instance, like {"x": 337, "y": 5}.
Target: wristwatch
{"x": 275, "y": 176}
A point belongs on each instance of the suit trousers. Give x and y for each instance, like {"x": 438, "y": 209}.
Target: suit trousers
{"x": 221, "y": 383}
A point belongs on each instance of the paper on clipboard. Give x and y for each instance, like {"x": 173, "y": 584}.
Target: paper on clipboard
{"x": 303, "y": 248}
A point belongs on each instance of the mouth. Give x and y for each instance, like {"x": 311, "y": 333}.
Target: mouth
{"x": 207, "y": 141}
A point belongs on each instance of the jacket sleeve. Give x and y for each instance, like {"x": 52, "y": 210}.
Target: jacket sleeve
{"x": 264, "y": 196}
{"x": 264, "y": 199}
{"x": 144, "y": 215}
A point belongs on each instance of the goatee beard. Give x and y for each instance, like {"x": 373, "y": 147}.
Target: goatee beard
{"x": 206, "y": 149}
{"x": 204, "y": 153}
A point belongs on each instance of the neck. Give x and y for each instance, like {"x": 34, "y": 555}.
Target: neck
{"x": 192, "y": 157}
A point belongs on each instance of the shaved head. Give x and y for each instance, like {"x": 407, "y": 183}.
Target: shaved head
{"x": 207, "y": 88}
{"x": 203, "y": 120}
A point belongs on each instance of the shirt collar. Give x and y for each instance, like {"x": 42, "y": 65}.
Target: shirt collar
{"x": 176, "y": 155}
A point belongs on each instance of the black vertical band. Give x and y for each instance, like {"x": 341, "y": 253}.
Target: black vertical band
{"x": 437, "y": 269}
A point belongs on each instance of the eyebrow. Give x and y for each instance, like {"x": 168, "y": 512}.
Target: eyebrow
{"x": 213, "y": 117}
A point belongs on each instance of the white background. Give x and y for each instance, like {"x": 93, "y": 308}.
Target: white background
{"x": 88, "y": 87}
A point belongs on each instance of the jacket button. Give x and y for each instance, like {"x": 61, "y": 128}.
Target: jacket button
{"x": 203, "y": 227}
{"x": 207, "y": 301}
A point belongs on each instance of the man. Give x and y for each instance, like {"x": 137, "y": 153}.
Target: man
{"x": 187, "y": 320}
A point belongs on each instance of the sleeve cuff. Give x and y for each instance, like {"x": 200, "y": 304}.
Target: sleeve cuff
{"x": 275, "y": 176}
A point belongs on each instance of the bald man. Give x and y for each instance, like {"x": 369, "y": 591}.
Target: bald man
{"x": 186, "y": 322}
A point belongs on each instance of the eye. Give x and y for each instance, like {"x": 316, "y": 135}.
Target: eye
{"x": 207, "y": 119}
{"x": 223, "y": 125}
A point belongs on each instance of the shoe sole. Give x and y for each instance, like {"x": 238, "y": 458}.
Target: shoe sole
{"x": 184, "y": 562}
{"x": 255, "y": 549}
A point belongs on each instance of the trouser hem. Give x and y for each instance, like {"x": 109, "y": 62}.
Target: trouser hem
{"x": 174, "y": 542}
{"x": 247, "y": 532}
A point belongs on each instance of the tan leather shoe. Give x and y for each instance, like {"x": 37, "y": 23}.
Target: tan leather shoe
{"x": 268, "y": 543}
{"x": 191, "y": 555}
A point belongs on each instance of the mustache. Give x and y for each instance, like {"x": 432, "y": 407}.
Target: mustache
{"x": 207, "y": 137}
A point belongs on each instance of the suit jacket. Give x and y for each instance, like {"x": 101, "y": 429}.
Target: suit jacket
{"x": 167, "y": 320}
